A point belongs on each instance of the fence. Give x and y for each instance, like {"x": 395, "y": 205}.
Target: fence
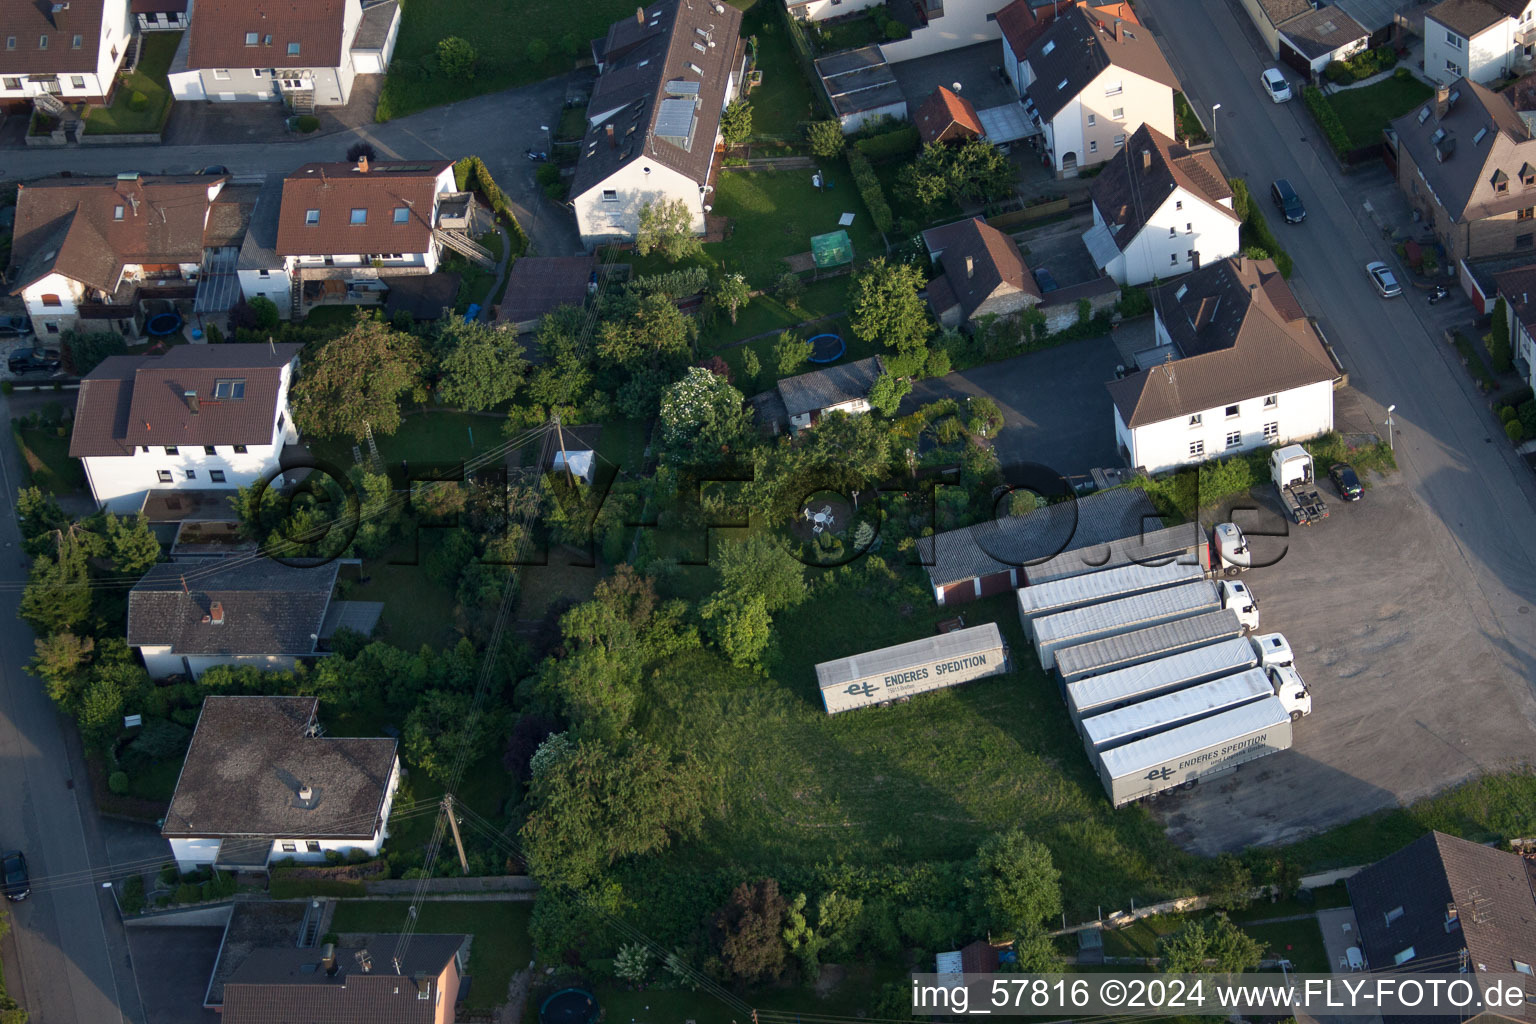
{"x": 806, "y": 56}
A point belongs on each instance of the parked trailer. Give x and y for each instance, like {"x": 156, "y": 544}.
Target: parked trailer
{"x": 1185, "y": 543}
{"x": 1171, "y": 710}
{"x": 1106, "y": 585}
{"x": 1183, "y": 756}
{"x": 1052, "y": 633}
{"x": 1112, "y": 652}
{"x": 896, "y": 673}
{"x": 1098, "y": 695}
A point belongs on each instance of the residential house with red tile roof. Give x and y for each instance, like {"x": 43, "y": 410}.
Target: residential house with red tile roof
{"x": 947, "y": 116}
{"x": 195, "y": 418}
{"x": 653, "y": 122}
{"x": 1024, "y": 21}
{"x": 1237, "y": 365}
{"x": 94, "y": 253}
{"x": 69, "y": 50}
{"x": 1088, "y": 82}
{"x": 305, "y": 53}
{"x": 1160, "y": 210}
{"x": 343, "y": 226}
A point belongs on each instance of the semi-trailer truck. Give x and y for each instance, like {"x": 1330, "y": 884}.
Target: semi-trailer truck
{"x": 1100, "y": 694}
{"x": 1189, "y": 753}
{"x": 897, "y": 673}
{"x": 1113, "y": 652}
{"x": 1171, "y": 710}
{"x": 1183, "y": 543}
{"x": 1106, "y": 585}
{"x": 1290, "y": 469}
{"x": 1052, "y": 633}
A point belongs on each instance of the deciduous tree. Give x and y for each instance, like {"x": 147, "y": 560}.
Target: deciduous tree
{"x": 825, "y": 139}
{"x": 482, "y": 367}
{"x": 886, "y": 307}
{"x": 666, "y": 226}
{"x": 736, "y": 123}
{"x": 704, "y": 420}
{"x": 358, "y": 381}
{"x": 1015, "y": 886}
{"x": 439, "y": 725}
{"x": 732, "y": 293}
{"x": 750, "y": 932}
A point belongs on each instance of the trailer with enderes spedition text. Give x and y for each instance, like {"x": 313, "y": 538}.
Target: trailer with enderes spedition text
{"x": 1184, "y": 755}
{"x": 897, "y": 673}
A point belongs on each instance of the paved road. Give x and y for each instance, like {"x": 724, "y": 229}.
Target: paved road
{"x": 498, "y": 127}
{"x": 1448, "y": 448}
{"x": 68, "y": 958}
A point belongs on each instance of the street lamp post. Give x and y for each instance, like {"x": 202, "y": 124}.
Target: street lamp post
{"x": 1214, "y": 108}
{"x": 1390, "y": 444}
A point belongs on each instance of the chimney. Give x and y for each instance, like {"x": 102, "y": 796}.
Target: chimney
{"x": 362, "y": 163}
{"x": 1241, "y": 261}
{"x": 1442, "y": 101}
{"x": 970, "y": 268}
{"x": 1146, "y": 160}
{"x": 639, "y": 15}
{"x": 306, "y": 794}
{"x": 216, "y": 613}
{"x": 612, "y": 143}
{"x": 190, "y": 397}
{"x": 328, "y": 960}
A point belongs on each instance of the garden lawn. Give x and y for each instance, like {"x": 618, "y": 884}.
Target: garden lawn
{"x": 49, "y": 466}
{"x": 853, "y": 997}
{"x": 150, "y": 79}
{"x": 846, "y": 35}
{"x": 1300, "y": 942}
{"x": 765, "y": 313}
{"x": 476, "y": 283}
{"x": 1190, "y": 128}
{"x": 429, "y": 436}
{"x": 1367, "y": 110}
{"x": 417, "y": 610}
{"x": 501, "y": 945}
{"x": 335, "y": 317}
{"x": 784, "y": 101}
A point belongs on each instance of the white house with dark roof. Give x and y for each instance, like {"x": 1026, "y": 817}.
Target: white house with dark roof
{"x": 1089, "y": 82}
{"x": 262, "y": 781}
{"x": 1238, "y": 365}
{"x": 197, "y": 417}
{"x": 808, "y": 397}
{"x": 305, "y": 55}
{"x": 185, "y": 617}
{"x": 653, "y": 122}
{"x": 1160, "y": 210}
{"x": 69, "y": 51}
{"x": 1314, "y": 39}
{"x": 1477, "y": 39}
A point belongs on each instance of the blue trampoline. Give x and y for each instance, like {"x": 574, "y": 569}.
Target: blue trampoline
{"x": 827, "y": 348}
{"x": 569, "y": 1006}
{"x": 162, "y": 324}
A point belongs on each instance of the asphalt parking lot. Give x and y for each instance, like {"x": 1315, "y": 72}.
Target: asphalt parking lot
{"x": 1409, "y": 695}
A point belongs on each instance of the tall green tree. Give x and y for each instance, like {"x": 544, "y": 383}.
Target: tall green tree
{"x": 39, "y": 515}
{"x": 704, "y": 420}
{"x": 790, "y": 353}
{"x": 1015, "y": 886}
{"x": 750, "y": 932}
{"x": 1218, "y": 946}
{"x": 666, "y": 227}
{"x": 482, "y": 367}
{"x": 441, "y": 724}
{"x": 736, "y": 123}
{"x": 602, "y": 803}
{"x": 743, "y": 630}
{"x": 825, "y": 139}
{"x": 886, "y": 306}
{"x": 359, "y": 380}
{"x": 57, "y": 597}
{"x": 732, "y": 293}
{"x": 760, "y": 566}
{"x": 131, "y": 544}
{"x": 888, "y": 391}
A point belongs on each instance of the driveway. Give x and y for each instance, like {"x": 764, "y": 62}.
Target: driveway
{"x": 1056, "y": 410}
{"x": 180, "y": 960}
{"x": 1466, "y": 530}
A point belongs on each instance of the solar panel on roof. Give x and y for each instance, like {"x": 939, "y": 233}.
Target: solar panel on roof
{"x": 679, "y": 87}
{"x": 675, "y": 120}
{"x": 407, "y": 168}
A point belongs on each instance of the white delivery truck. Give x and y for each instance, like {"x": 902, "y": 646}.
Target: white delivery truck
{"x": 1171, "y": 710}
{"x": 896, "y": 673}
{"x": 1105, "y": 585}
{"x": 1051, "y": 633}
{"x": 1291, "y": 471}
{"x": 1184, "y": 755}
{"x": 1100, "y": 694}
{"x": 1114, "y": 652}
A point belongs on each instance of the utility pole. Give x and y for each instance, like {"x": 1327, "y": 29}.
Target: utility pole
{"x": 570, "y": 476}
{"x": 453, "y": 823}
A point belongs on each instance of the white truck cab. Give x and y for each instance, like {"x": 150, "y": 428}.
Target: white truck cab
{"x": 1273, "y": 649}
{"x": 1238, "y": 598}
{"x": 1293, "y": 693}
{"x": 1232, "y": 553}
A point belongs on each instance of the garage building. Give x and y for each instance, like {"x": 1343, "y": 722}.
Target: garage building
{"x": 895, "y": 673}
{"x": 988, "y": 558}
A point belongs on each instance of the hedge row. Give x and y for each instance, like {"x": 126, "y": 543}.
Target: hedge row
{"x": 471, "y": 173}
{"x": 1255, "y": 230}
{"x": 898, "y": 142}
{"x": 284, "y": 887}
{"x": 674, "y": 284}
{"x": 1327, "y": 119}
{"x": 869, "y": 188}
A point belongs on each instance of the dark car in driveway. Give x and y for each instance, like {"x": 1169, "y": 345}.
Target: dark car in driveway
{"x": 1344, "y": 478}
{"x": 17, "y": 883}
{"x": 14, "y": 326}
{"x": 31, "y": 360}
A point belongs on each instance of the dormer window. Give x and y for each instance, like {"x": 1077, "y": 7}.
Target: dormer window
{"x": 1500, "y": 182}
{"x": 1527, "y": 175}
{"x": 229, "y": 389}
{"x": 252, "y": 38}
